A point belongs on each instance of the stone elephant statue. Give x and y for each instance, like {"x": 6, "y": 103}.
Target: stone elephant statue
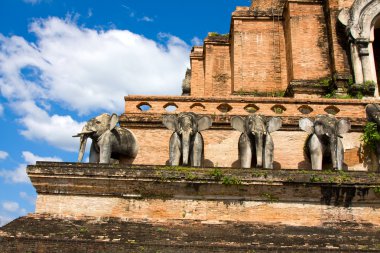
{"x": 325, "y": 140}
{"x": 108, "y": 140}
{"x": 255, "y": 143}
{"x": 186, "y": 142}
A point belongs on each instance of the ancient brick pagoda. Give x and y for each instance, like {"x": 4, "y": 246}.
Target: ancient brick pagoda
{"x": 290, "y": 59}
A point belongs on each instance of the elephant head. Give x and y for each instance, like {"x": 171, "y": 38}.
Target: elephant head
{"x": 95, "y": 128}
{"x": 328, "y": 132}
{"x": 256, "y": 128}
{"x": 186, "y": 141}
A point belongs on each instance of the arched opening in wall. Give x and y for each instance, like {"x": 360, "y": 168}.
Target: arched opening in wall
{"x": 376, "y": 47}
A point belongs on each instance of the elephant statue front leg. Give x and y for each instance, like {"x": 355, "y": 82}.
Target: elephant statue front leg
{"x": 174, "y": 150}
{"x": 245, "y": 151}
{"x": 268, "y": 152}
{"x": 340, "y": 155}
{"x": 94, "y": 153}
{"x": 105, "y": 149}
{"x": 316, "y": 152}
{"x": 197, "y": 150}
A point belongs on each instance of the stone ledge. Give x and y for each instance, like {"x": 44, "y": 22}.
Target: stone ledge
{"x": 245, "y": 99}
{"x": 217, "y": 39}
{"x": 163, "y": 182}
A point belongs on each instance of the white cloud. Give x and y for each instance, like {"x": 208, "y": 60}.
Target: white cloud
{"x": 55, "y": 130}
{"x": 83, "y": 70}
{"x": 5, "y": 219}
{"x": 19, "y": 175}
{"x": 87, "y": 70}
{"x": 196, "y": 41}
{"x": 32, "y": 1}
{"x": 10, "y": 206}
{"x": 89, "y": 13}
{"x": 146, "y": 19}
{"x": 31, "y": 158}
{"x": 27, "y": 197}
{"x": 10, "y": 211}
{"x": 3, "y": 155}
{"x": 1, "y": 110}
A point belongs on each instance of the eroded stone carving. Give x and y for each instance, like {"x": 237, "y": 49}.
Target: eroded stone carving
{"x": 359, "y": 21}
{"x": 108, "y": 140}
{"x": 325, "y": 140}
{"x": 186, "y": 142}
{"x": 186, "y": 89}
{"x": 255, "y": 141}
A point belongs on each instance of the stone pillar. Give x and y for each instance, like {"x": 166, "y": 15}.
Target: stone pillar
{"x": 365, "y": 59}
{"x": 356, "y": 63}
{"x": 373, "y": 67}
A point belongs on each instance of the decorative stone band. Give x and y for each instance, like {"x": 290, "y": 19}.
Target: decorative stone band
{"x": 149, "y": 109}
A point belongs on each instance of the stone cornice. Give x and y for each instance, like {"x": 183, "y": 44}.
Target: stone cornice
{"x": 195, "y": 183}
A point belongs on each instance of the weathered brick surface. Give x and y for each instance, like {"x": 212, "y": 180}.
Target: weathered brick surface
{"x": 217, "y": 69}
{"x": 292, "y": 214}
{"x": 197, "y": 72}
{"x": 309, "y": 41}
{"x": 338, "y": 43}
{"x": 259, "y": 58}
{"x": 34, "y": 234}
{"x": 273, "y": 43}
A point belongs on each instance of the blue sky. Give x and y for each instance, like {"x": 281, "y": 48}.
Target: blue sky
{"x": 64, "y": 61}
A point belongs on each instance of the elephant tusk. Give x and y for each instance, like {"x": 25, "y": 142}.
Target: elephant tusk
{"x": 83, "y": 133}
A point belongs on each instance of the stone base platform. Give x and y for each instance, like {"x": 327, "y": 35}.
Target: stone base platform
{"x": 162, "y": 193}
{"x": 47, "y": 234}
{"x": 119, "y": 208}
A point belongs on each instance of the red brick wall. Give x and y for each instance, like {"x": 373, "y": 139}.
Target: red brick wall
{"x": 338, "y": 42}
{"x": 217, "y": 70}
{"x": 197, "y": 73}
{"x": 259, "y": 57}
{"x": 306, "y": 27}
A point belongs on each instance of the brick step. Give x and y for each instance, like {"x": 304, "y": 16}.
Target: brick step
{"x": 114, "y": 235}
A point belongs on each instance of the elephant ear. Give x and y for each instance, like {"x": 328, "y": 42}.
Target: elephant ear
{"x": 113, "y": 121}
{"x": 238, "y": 123}
{"x": 170, "y": 121}
{"x": 274, "y": 124}
{"x": 204, "y": 123}
{"x": 307, "y": 125}
{"x": 343, "y": 126}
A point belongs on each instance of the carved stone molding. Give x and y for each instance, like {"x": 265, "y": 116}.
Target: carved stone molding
{"x": 359, "y": 21}
{"x": 359, "y": 18}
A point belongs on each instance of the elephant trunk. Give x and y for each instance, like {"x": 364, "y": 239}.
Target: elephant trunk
{"x": 334, "y": 151}
{"x": 259, "y": 145}
{"x": 186, "y": 146}
{"x": 84, "y": 134}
